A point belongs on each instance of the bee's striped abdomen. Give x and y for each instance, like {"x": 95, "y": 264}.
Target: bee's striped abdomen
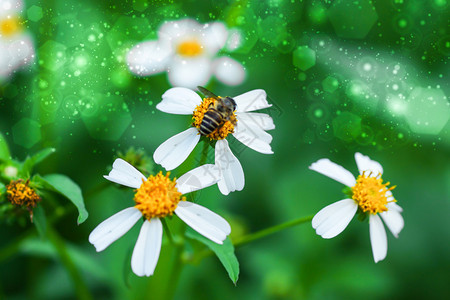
{"x": 211, "y": 121}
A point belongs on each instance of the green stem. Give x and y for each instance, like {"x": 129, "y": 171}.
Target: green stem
{"x": 254, "y": 236}
{"x": 167, "y": 231}
{"x": 268, "y": 231}
{"x": 14, "y": 246}
{"x": 177, "y": 266}
{"x": 80, "y": 286}
{"x": 193, "y": 196}
{"x": 177, "y": 262}
{"x": 204, "y": 153}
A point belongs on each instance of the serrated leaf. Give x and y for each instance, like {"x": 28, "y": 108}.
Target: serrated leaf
{"x": 30, "y": 162}
{"x": 4, "y": 149}
{"x": 65, "y": 186}
{"x": 40, "y": 221}
{"x": 224, "y": 252}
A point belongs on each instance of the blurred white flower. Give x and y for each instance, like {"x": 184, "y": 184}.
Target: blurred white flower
{"x": 16, "y": 46}
{"x": 369, "y": 194}
{"x": 187, "y": 50}
{"x": 157, "y": 197}
{"x": 249, "y": 128}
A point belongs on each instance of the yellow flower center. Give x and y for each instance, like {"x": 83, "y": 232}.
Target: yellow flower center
{"x": 370, "y": 193}
{"x": 190, "y": 48}
{"x": 219, "y": 133}
{"x": 9, "y": 27}
{"x": 19, "y": 193}
{"x": 157, "y": 196}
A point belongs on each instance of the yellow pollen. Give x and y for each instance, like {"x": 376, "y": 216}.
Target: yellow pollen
{"x": 9, "y": 27}
{"x": 19, "y": 193}
{"x": 219, "y": 133}
{"x": 190, "y": 48}
{"x": 370, "y": 193}
{"x": 157, "y": 196}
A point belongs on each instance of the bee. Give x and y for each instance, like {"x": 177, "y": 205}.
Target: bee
{"x": 219, "y": 111}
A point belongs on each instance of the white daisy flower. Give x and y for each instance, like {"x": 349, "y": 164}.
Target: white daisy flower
{"x": 246, "y": 126}
{"x": 369, "y": 195}
{"x": 157, "y": 197}
{"x": 16, "y": 46}
{"x": 188, "y": 51}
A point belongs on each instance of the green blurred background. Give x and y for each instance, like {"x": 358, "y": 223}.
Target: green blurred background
{"x": 344, "y": 76}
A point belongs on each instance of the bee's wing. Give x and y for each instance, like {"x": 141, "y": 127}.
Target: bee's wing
{"x": 207, "y": 93}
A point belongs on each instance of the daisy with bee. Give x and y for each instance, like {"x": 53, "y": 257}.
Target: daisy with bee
{"x": 219, "y": 111}
{"x": 216, "y": 117}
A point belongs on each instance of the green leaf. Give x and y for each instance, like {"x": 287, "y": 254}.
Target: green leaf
{"x": 65, "y": 186}
{"x": 224, "y": 252}
{"x": 82, "y": 257}
{"x": 4, "y": 149}
{"x": 40, "y": 221}
{"x": 30, "y": 162}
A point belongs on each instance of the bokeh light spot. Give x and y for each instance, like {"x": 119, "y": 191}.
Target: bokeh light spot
{"x": 318, "y": 113}
{"x": 330, "y": 84}
{"x": 352, "y": 19}
{"x": 53, "y": 55}
{"x": 396, "y": 105}
{"x": 304, "y": 58}
{"x": 302, "y": 76}
{"x": 140, "y": 5}
{"x": 362, "y": 95}
{"x": 347, "y": 126}
{"x": 402, "y": 23}
{"x": 26, "y": 133}
{"x": 125, "y": 32}
{"x": 427, "y": 110}
{"x": 34, "y": 13}
{"x": 366, "y": 137}
{"x": 272, "y": 30}
{"x": 111, "y": 119}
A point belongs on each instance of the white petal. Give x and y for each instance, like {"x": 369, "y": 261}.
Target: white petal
{"x": 10, "y": 7}
{"x": 393, "y": 220}
{"x": 334, "y": 218}
{"x": 264, "y": 121}
{"x": 234, "y": 40}
{"x": 251, "y": 135}
{"x": 232, "y": 173}
{"x": 5, "y": 62}
{"x": 189, "y": 72}
{"x": 175, "y": 150}
{"x": 173, "y": 30}
{"x": 334, "y": 171}
{"x": 204, "y": 221}
{"x": 394, "y": 206}
{"x": 178, "y": 100}
{"x": 228, "y": 71}
{"x": 15, "y": 53}
{"x": 113, "y": 228}
{"x": 390, "y": 198}
{"x": 248, "y": 124}
{"x": 365, "y": 164}
{"x": 214, "y": 35}
{"x": 149, "y": 58}
{"x": 253, "y": 100}
{"x": 147, "y": 248}
{"x": 21, "y": 49}
{"x": 378, "y": 238}
{"x": 198, "y": 178}
{"x": 125, "y": 174}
